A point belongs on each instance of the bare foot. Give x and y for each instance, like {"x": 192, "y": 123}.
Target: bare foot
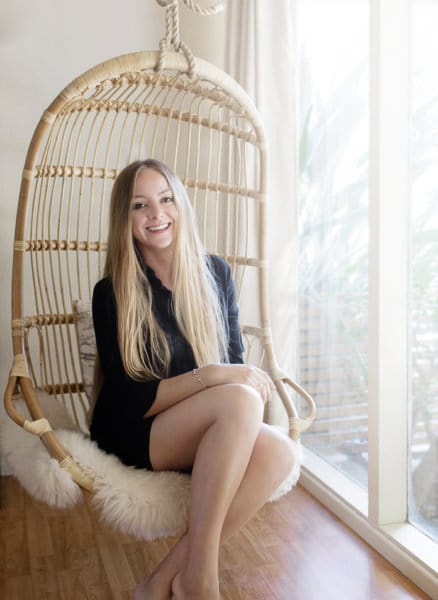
{"x": 152, "y": 589}
{"x": 177, "y": 593}
{"x": 185, "y": 587}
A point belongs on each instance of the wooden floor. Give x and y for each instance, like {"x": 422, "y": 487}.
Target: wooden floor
{"x": 293, "y": 549}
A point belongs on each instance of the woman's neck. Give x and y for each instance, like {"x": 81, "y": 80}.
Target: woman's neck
{"x": 162, "y": 265}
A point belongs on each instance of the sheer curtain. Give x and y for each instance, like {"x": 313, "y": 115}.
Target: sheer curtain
{"x": 260, "y": 56}
{"x": 305, "y": 64}
{"x": 333, "y": 116}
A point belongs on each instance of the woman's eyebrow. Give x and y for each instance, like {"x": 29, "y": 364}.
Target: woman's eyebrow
{"x": 166, "y": 191}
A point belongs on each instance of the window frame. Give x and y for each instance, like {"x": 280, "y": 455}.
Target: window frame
{"x": 380, "y": 514}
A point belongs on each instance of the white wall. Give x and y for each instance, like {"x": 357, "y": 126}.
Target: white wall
{"x": 43, "y": 46}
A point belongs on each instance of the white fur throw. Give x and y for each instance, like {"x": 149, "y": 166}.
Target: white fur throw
{"x": 142, "y": 503}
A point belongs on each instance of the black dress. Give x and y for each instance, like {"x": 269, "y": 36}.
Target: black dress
{"x": 118, "y": 424}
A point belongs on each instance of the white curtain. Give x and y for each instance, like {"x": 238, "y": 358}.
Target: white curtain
{"x": 260, "y": 56}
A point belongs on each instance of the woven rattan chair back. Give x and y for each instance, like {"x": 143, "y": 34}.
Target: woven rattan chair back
{"x": 207, "y": 130}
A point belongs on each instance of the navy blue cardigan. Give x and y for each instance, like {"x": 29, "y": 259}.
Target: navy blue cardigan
{"x": 118, "y": 424}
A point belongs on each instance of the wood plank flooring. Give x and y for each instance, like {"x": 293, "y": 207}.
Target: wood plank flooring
{"x": 294, "y": 549}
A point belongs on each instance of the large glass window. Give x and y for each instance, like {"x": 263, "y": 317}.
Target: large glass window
{"x": 423, "y": 500}
{"x": 367, "y": 90}
{"x": 333, "y": 54}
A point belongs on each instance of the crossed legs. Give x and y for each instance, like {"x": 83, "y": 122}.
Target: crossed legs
{"x": 237, "y": 462}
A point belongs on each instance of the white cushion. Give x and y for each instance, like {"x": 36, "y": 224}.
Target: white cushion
{"x": 87, "y": 342}
{"x": 142, "y": 503}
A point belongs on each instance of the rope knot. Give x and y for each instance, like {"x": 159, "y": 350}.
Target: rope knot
{"x": 172, "y": 31}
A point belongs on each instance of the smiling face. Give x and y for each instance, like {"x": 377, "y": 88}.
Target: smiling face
{"x": 154, "y": 213}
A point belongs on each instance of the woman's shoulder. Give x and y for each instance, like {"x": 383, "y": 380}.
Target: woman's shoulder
{"x": 104, "y": 284}
{"x": 219, "y": 266}
{"x": 103, "y": 288}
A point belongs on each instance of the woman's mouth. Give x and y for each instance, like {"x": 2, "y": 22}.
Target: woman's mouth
{"x": 158, "y": 228}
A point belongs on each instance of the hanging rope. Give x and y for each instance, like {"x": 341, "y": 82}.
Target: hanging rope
{"x": 172, "y": 30}
{"x": 208, "y": 10}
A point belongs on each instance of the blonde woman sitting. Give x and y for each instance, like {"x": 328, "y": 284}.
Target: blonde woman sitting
{"x": 175, "y": 393}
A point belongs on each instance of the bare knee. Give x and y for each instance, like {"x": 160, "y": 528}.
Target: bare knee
{"x": 241, "y": 405}
{"x": 275, "y": 454}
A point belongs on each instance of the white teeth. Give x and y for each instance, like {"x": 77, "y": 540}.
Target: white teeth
{"x": 158, "y": 227}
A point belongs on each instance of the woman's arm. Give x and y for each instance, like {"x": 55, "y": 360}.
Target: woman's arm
{"x": 133, "y": 398}
{"x": 235, "y": 346}
{"x": 147, "y": 398}
{"x": 174, "y": 389}
{"x": 228, "y": 300}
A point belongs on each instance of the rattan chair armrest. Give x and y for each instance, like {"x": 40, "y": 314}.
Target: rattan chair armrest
{"x": 296, "y": 424}
{"x": 8, "y": 401}
{"x": 39, "y": 424}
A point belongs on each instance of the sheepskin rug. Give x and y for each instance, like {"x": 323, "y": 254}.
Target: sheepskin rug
{"x": 142, "y": 503}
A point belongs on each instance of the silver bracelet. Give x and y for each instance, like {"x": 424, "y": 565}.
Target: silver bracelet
{"x": 199, "y": 379}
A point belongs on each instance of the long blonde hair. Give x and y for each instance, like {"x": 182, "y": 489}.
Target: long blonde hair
{"x": 195, "y": 298}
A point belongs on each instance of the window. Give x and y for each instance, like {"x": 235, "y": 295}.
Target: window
{"x": 368, "y": 269}
{"x": 423, "y": 480}
{"x": 333, "y": 227}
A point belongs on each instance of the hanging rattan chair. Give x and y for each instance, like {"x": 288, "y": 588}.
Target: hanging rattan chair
{"x": 198, "y": 120}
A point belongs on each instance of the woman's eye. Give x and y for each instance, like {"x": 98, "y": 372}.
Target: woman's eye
{"x": 167, "y": 199}
{"x": 138, "y": 205}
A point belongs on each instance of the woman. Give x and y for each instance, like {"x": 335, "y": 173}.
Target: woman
{"x": 175, "y": 394}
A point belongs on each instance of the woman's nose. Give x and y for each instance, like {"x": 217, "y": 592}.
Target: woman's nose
{"x": 154, "y": 212}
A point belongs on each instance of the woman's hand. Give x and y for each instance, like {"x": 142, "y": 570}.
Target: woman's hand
{"x": 221, "y": 374}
